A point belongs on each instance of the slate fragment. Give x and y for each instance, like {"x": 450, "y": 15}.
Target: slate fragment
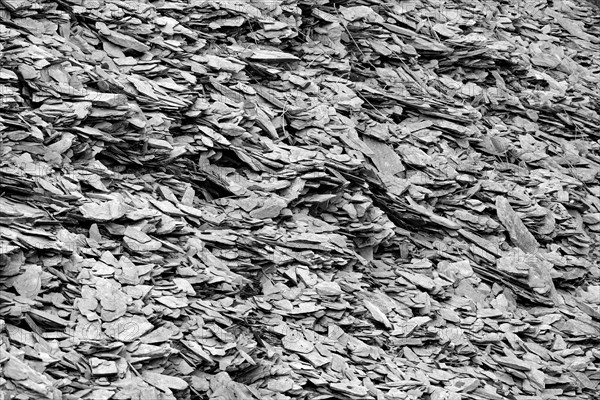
{"x": 518, "y": 232}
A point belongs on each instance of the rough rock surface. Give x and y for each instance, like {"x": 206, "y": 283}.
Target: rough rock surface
{"x": 282, "y": 199}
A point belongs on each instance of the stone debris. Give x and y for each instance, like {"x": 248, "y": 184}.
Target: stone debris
{"x": 283, "y": 199}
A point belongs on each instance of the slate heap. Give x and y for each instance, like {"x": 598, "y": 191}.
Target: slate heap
{"x": 282, "y": 199}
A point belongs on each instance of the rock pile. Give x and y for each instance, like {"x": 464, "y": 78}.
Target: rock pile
{"x": 282, "y": 199}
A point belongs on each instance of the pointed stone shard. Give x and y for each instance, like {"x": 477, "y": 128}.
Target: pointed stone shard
{"x": 518, "y": 232}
